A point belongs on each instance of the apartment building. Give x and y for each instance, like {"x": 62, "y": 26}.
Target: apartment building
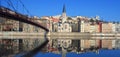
{"x": 107, "y": 28}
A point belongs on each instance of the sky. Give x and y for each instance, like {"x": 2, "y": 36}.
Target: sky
{"x": 108, "y": 10}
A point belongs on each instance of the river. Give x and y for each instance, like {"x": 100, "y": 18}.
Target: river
{"x": 102, "y": 53}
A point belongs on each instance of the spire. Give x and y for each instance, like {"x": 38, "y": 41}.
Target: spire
{"x": 63, "y": 14}
{"x": 64, "y": 9}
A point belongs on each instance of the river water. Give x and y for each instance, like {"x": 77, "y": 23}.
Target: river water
{"x": 102, "y": 53}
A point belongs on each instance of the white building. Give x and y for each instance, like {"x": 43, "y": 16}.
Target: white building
{"x": 82, "y": 26}
{"x": 116, "y": 29}
{"x": 64, "y": 27}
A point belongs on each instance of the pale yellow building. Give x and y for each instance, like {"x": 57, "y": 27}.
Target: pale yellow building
{"x": 87, "y": 27}
{"x": 107, "y": 27}
{"x": 94, "y": 28}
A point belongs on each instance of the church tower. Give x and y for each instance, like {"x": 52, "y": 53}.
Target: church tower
{"x": 64, "y": 11}
{"x": 63, "y": 17}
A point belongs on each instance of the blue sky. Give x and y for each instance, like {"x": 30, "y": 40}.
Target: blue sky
{"x": 107, "y": 9}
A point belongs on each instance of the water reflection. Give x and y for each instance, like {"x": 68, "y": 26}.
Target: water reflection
{"x": 20, "y": 47}
{"x": 10, "y": 47}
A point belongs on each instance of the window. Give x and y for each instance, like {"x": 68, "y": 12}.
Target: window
{"x": 65, "y": 26}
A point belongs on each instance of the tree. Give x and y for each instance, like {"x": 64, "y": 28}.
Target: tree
{"x": 91, "y": 20}
{"x": 69, "y": 18}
